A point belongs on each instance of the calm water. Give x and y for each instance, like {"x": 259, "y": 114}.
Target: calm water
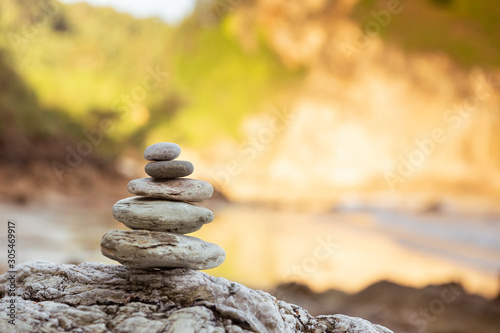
{"x": 345, "y": 250}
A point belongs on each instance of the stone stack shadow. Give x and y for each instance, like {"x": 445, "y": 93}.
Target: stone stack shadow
{"x": 160, "y": 216}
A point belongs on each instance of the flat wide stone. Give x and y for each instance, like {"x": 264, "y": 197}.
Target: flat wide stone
{"x": 153, "y": 249}
{"x": 161, "y": 215}
{"x": 178, "y": 189}
{"x": 169, "y": 169}
{"x": 163, "y": 151}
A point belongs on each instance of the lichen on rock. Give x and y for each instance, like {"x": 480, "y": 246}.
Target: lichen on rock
{"x": 93, "y": 297}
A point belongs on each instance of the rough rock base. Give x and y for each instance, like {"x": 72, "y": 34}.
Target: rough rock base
{"x": 96, "y": 298}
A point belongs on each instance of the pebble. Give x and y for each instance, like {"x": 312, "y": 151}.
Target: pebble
{"x": 152, "y": 249}
{"x": 169, "y": 169}
{"x": 178, "y": 189}
{"x": 163, "y": 151}
{"x": 161, "y": 215}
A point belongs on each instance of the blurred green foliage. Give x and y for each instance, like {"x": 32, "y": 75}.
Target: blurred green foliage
{"x": 65, "y": 68}
{"x": 18, "y": 105}
{"x": 86, "y": 61}
{"x": 220, "y": 82}
{"x": 468, "y": 31}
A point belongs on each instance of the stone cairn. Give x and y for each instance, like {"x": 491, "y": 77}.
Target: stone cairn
{"x": 160, "y": 215}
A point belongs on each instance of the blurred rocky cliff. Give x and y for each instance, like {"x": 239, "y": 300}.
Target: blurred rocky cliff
{"x": 277, "y": 101}
{"x": 368, "y": 115}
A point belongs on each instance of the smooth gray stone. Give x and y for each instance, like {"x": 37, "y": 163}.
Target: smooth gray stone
{"x": 161, "y": 215}
{"x": 169, "y": 169}
{"x": 178, "y": 189}
{"x": 163, "y": 151}
{"x": 154, "y": 249}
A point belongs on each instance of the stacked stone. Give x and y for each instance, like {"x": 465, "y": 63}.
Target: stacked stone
{"x": 160, "y": 215}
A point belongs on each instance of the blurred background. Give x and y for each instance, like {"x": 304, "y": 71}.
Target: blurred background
{"x": 354, "y": 144}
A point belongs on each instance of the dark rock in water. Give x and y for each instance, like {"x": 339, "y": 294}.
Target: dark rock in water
{"x": 102, "y": 298}
{"x": 404, "y": 308}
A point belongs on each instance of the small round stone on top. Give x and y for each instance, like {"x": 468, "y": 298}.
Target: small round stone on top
{"x": 163, "y": 151}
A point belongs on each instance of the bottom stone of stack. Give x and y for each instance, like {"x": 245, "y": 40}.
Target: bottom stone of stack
{"x": 154, "y": 249}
